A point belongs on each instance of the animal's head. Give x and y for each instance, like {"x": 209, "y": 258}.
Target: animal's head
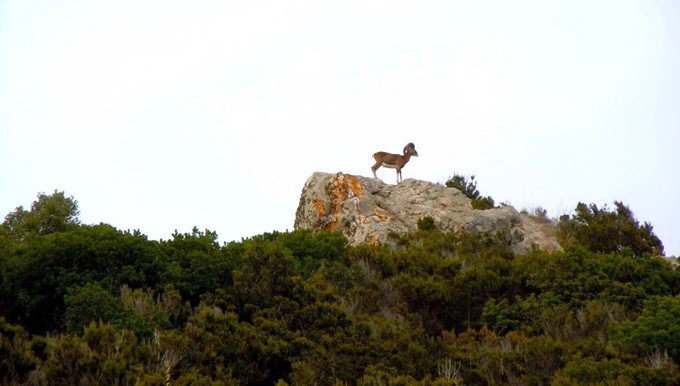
{"x": 410, "y": 148}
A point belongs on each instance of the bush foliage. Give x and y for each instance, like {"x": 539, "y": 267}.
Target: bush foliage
{"x": 469, "y": 188}
{"x": 90, "y": 304}
{"x": 606, "y": 231}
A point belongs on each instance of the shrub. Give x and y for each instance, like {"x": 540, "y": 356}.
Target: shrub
{"x": 427, "y": 224}
{"x": 605, "y": 231}
{"x": 469, "y": 189}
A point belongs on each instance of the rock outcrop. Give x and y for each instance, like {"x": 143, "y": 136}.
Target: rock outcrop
{"x": 366, "y": 210}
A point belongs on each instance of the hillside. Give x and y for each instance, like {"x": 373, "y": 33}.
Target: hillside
{"x": 93, "y": 305}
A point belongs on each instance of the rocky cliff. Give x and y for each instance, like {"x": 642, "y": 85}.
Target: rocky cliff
{"x": 366, "y": 210}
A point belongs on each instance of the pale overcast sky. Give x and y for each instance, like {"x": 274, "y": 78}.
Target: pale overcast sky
{"x": 164, "y": 115}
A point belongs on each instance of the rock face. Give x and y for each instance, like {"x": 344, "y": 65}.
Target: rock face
{"x": 366, "y": 210}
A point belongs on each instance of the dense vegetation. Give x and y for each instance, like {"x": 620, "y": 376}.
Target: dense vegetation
{"x": 90, "y": 304}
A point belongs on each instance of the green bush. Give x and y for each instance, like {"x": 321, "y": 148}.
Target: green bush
{"x": 657, "y": 329}
{"x": 606, "y": 231}
{"x": 426, "y": 224}
{"x": 469, "y": 188}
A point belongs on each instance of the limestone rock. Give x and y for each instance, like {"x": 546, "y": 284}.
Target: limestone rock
{"x": 366, "y": 210}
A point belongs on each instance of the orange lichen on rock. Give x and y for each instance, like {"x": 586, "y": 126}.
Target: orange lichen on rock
{"x": 344, "y": 186}
{"x": 347, "y": 186}
{"x": 381, "y": 215}
{"x": 332, "y": 225}
{"x": 320, "y": 206}
{"x": 341, "y": 188}
{"x": 355, "y": 186}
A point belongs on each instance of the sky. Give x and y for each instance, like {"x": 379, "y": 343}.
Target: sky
{"x": 164, "y": 115}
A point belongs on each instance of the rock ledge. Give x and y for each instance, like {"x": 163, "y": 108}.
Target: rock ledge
{"x": 366, "y": 210}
